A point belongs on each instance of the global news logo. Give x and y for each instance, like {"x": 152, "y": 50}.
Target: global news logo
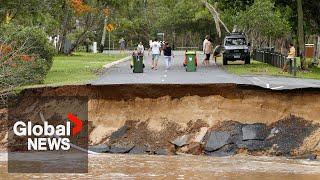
{"x": 47, "y": 136}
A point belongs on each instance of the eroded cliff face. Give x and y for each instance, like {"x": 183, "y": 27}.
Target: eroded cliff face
{"x": 263, "y": 107}
{"x": 176, "y": 109}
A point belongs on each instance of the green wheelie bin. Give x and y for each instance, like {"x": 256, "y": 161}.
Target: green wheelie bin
{"x": 191, "y": 64}
{"x": 137, "y": 63}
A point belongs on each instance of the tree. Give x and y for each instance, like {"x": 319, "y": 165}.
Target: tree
{"x": 80, "y": 20}
{"x": 216, "y": 17}
{"x": 301, "y": 33}
{"x": 184, "y": 22}
{"x": 262, "y": 22}
{"x": 25, "y": 56}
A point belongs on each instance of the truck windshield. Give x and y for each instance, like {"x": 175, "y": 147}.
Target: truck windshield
{"x": 235, "y": 41}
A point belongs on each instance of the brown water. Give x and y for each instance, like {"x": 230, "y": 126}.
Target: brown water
{"x": 183, "y": 167}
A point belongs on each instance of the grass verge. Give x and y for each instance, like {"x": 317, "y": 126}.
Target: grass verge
{"x": 258, "y": 68}
{"x": 78, "y": 68}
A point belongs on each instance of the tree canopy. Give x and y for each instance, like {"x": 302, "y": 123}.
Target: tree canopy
{"x": 184, "y": 22}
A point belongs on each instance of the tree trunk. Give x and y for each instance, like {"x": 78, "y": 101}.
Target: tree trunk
{"x": 64, "y": 28}
{"x": 317, "y": 52}
{"x": 301, "y": 33}
{"x": 216, "y": 17}
{"x": 104, "y": 32}
{"x": 80, "y": 39}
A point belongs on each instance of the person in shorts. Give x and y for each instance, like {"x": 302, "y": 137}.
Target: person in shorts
{"x": 290, "y": 58}
{"x": 207, "y": 52}
{"x": 155, "y": 47}
{"x": 206, "y": 39}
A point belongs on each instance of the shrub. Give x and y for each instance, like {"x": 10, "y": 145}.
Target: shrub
{"x": 25, "y": 55}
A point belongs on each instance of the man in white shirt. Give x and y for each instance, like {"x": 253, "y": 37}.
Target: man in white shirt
{"x": 205, "y": 41}
{"x": 155, "y": 47}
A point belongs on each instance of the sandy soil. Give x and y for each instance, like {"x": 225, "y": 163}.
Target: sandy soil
{"x": 157, "y": 113}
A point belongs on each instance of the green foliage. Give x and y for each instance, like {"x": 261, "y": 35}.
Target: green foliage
{"x": 25, "y": 55}
{"x": 311, "y": 15}
{"x": 19, "y": 72}
{"x": 38, "y": 42}
{"x": 264, "y": 19}
{"x": 261, "y": 20}
{"x": 235, "y": 5}
{"x": 189, "y": 20}
{"x": 44, "y": 14}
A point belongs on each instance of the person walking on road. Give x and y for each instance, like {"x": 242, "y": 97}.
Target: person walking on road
{"x": 122, "y": 43}
{"x": 205, "y": 41}
{"x": 207, "y": 52}
{"x": 204, "y": 45}
{"x": 155, "y": 47}
{"x": 217, "y": 52}
{"x": 167, "y": 52}
{"x": 290, "y": 58}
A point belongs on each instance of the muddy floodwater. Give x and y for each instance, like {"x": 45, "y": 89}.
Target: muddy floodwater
{"x": 110, "y": 166}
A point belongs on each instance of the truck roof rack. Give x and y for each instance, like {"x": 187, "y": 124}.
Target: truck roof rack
{"x": 236, "y": 33}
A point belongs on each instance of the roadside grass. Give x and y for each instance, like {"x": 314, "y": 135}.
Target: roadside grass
{"x": 78, "y": 68}
{"x": 258, "y": 68}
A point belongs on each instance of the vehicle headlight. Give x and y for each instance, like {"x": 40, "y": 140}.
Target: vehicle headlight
{"x": 246, "y": 50}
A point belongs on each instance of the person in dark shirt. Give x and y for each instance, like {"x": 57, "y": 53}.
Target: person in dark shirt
{"x": 217, "y": 52}
{"x": 167, "y": 52}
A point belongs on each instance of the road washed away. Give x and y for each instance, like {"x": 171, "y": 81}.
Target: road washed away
{"x": 210, "y": 120}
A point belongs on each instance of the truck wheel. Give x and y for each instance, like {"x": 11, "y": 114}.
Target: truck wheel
{"x": 225, "y": 61}
{"x": 247, "y": 60}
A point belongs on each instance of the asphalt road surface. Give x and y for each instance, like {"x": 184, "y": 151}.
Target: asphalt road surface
{"x": 122, "y": 74}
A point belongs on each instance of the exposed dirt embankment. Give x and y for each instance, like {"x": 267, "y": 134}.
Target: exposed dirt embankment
{"x": 153, "y": 116}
